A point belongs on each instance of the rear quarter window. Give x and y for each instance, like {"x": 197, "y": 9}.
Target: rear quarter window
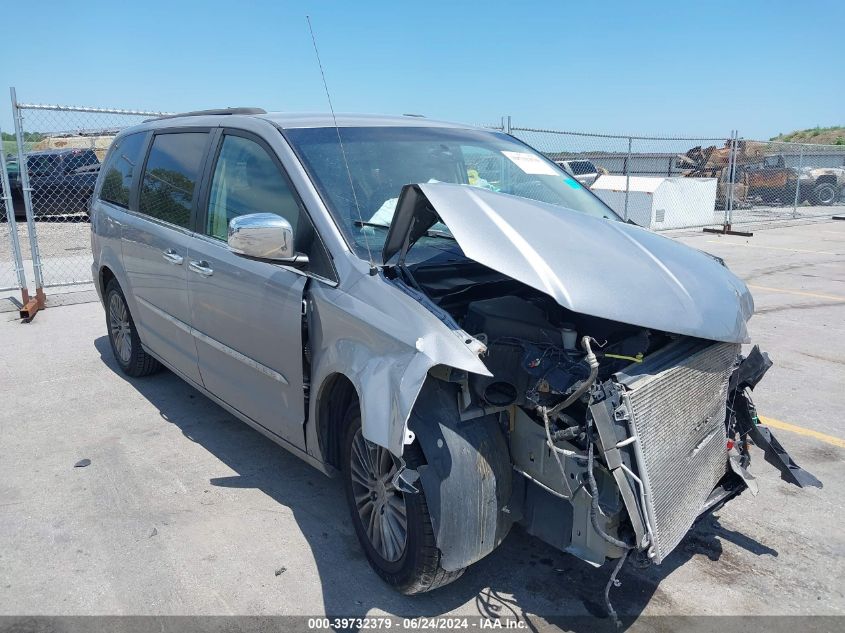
{"x": 120, "y": 167}
{"x": 170, "y": 176}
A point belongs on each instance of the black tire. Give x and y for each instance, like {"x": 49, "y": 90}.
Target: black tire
{"x": 418, "y": 568}
{"x": 825, "y": 194}
{"x": 133, "y": 361}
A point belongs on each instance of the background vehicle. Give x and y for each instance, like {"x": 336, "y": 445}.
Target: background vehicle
{"x": 766, "y": 177}
{"x": 772, "y": 180}
{"x": 12, "y": 167}
{"x": 62, "y": 181}
{"x": 584, "y": 170}
{"x": 461, "y": 352}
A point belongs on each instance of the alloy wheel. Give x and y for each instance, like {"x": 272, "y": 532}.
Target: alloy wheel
{"x": 120, "y": 328}
{"x": 380, "y": 505}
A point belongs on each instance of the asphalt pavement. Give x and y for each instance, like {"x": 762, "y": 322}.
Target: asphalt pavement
{"x": 185, "y": 510}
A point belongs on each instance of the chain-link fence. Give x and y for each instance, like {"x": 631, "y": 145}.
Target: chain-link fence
{"x": 59, "y": 153}
{"x": 643, "y": 179}
{"x": 787, "y": 181}
{"x": 12, "y": 275}
{"x": 51, "y": 164}
{"x": 684, "y": 182}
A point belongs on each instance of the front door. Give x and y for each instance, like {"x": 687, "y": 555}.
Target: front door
{"x": 247, "y": 314}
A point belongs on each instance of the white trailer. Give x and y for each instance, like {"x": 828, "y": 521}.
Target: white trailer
{"x": 660, "y": 203}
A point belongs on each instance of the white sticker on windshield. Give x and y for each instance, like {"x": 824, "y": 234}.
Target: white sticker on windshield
{"x": 531, "y": 164}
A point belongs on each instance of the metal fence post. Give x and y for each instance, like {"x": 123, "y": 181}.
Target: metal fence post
{"x": 14, "y": 238}
{"x": 627, "y": 177}
{"x": 731, "y": 184}
{"x": 798, "y": 182}
{"x": 27, "y": 200}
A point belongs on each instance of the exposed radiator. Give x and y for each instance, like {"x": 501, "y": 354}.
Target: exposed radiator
{"x": 676, "y": 406}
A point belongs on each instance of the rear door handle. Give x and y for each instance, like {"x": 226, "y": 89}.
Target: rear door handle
{"x": 173, "y": 257}
{"x": 201, "y": 267}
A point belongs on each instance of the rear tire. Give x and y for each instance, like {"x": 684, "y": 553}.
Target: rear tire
{"x": 123, "y": 336}
{"x": 415, "y": 568}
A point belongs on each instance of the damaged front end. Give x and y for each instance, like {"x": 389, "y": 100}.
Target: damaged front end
{"x": 666, "y": 438}
{"x": 616, "y": 449}
{"x": 622, "y": 424}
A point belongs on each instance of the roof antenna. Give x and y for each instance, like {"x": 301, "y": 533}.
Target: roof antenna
{"x": 373, "y": 269}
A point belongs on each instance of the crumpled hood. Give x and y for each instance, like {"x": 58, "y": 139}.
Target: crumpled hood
{"x": 593, "y": 266}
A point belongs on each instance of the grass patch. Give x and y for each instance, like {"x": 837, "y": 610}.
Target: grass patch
{"x": 833, "y": 135}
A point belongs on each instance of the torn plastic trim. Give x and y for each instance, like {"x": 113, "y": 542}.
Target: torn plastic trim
{"x": 405, "y": 478}
{"x": 746, "y": 376}
{"x": 750, "y": 370}
{"x": 736, "y": 466}
{"x": 721, "y": 494}
{"x": 467, "y": 478}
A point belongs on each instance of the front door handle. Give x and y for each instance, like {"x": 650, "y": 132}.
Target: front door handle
{"x": 173, "y": 257}
{"x": 201, "y": 267}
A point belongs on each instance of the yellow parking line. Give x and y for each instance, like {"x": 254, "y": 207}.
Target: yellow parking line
{"x": 771, "y": 248}
{"x": 798, "y": 292}
{"x": 800, "y": 430}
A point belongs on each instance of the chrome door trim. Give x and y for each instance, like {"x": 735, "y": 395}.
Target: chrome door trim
{"x": 246, "y": 360}
{"x": 213, "y": 342}
{"x": 165, "y": 315}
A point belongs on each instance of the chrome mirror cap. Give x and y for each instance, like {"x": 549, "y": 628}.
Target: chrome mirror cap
{"x": 262, "y": 235}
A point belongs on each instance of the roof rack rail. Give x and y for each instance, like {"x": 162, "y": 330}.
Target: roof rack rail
{"x": 210, "y": 113}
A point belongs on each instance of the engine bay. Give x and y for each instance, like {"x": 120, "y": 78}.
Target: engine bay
{"x": 533, "y": 344}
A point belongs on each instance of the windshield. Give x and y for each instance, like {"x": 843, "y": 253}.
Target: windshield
{"x": 384, "y": 159}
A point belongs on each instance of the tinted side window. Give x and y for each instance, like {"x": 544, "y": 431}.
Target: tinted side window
{"x": 247, "y": 180}
{"x": 170, "y": 177}
{"x": 119, "y": 167}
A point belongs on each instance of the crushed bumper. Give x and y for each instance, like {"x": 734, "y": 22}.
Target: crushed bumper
{"x": 675, "y": 432}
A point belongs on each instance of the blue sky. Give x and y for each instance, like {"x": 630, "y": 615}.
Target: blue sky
{"x": 637, "y": 67}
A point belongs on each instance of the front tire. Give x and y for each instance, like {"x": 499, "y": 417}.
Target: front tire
{"x": 825, "y": 194}
{"x": 394, "y": 529}
{"x": 123, "y": 336}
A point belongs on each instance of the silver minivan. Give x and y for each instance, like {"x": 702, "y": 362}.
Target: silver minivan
{"x": 442, "y": 316}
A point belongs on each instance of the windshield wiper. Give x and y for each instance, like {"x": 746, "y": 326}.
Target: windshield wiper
{"x": 441, "y": 234}
{"x": 372, "y": 224}
{"x": 430, "y": 233}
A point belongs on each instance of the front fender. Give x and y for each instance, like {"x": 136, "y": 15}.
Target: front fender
{"x": 385, "y": 342}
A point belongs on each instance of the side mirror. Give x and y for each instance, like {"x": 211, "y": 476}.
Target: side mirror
{"x": 263, "y": 236}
